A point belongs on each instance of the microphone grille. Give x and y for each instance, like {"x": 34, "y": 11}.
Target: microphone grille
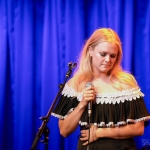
{"x": 89, "y": 84}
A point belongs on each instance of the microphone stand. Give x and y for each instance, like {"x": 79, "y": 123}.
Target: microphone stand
{"x": 43, "y": 128}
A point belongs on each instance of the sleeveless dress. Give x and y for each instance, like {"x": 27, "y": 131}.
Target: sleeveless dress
{"x": 110, "y": 110}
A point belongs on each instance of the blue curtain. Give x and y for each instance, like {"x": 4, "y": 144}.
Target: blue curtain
{"x": 37, "y": 40}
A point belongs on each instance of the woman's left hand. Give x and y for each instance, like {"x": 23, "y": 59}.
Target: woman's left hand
{"x": 85, "y": 135}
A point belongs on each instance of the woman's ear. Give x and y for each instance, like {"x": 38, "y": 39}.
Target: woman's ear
{"x": 91, "y": 51}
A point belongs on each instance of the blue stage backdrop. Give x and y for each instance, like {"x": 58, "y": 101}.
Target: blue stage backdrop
{"x": 37, "y": 40}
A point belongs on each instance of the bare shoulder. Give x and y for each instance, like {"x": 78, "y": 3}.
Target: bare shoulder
{"x": 127, "y": 81}
{"x": 71, "y": 83}
{"x": 127, "y": 86}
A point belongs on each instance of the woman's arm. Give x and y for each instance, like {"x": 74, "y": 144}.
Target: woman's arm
{"x": 70, "y": 123}
{"x": 130, "y": 130}
{"x": 123, "y": 132}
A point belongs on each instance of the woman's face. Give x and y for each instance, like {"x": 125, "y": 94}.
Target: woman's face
{"x": 104, "y": 56}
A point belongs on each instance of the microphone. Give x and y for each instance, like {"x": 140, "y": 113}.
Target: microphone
{"x": 89, "y": 84}
{"x": 89, "y": 103}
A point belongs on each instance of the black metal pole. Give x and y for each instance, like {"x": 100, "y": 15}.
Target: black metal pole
{"x": 43, "y": 128}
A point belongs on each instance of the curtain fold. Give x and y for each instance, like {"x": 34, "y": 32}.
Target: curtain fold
{"x": 37, "y": 41}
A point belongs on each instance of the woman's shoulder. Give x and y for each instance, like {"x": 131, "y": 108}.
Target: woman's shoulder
{"x": 70, "y": 89}
{"x": 127, "y": 79}
{"x": 126, "y": 93}
{"x": 71, "y": 84}
{"x": 128, "y": 89}
{"x": 125, "y": 86}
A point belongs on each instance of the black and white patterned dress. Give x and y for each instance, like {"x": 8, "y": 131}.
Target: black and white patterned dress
{"x": 110, "y": 110}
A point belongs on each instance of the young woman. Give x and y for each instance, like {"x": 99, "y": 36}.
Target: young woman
{"x": 118, "y": 109}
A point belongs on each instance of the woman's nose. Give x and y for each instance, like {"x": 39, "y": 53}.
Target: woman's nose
{"x": 107, "y": 58}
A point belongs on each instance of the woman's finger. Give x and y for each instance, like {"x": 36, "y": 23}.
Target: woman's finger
{"x": 84, "y": 144}
{"x": 83, "y": 138}
{"x": 83, "y": 131}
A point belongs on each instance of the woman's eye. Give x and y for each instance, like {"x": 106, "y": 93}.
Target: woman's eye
{"x": 113, "y": 56}
{"x": 103, "y": 54}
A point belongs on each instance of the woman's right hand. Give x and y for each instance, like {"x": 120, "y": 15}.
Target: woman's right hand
{"x": 88, "y": 94}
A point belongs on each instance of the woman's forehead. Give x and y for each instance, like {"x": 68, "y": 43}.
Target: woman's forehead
{"x": 107, "y": 46}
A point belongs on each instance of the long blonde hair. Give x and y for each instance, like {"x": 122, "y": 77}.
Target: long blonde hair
{"x": 84, "y": 74}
